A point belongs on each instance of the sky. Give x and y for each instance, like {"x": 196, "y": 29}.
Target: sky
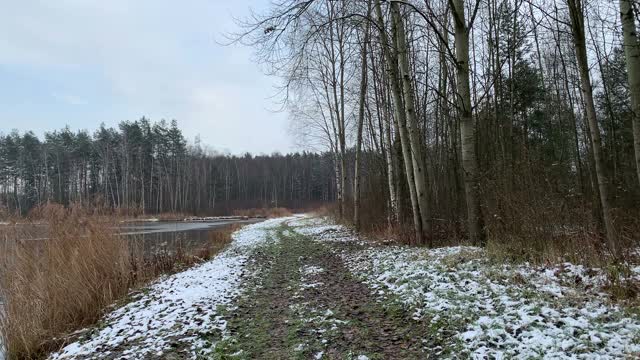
{"x": 84, "y": 62}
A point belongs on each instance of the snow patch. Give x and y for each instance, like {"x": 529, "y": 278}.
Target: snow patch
{"x": 178, "y": 309}
{"x": 309, "y": 270}
{"x": 495, "y": 310}
{"x": 504, "y": 318}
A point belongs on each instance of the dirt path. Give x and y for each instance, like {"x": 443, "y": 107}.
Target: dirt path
{"x": 275, "y": 293}
{"x": 302, "y": 303}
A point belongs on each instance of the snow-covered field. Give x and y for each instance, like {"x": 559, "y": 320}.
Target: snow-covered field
{"x": 489, "y": 310}
{"x": 176, "y": 311}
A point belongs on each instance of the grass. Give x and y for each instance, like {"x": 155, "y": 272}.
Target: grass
{"x": 280, "y": 316}
{"x": 65, "y": 282}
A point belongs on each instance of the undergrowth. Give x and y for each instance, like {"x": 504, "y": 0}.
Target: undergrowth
{"x": 264, "y": 212}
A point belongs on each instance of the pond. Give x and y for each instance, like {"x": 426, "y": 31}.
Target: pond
{"x": 153, "y": 235}
{"x": 168, "y": 236}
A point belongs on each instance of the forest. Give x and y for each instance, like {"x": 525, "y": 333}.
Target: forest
{"x": 510, "y": 121}
{"x": 505, "y": 121}
{"x": 145, "y": 167}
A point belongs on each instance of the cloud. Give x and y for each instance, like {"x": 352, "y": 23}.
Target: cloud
{"x": 156, "y": 58}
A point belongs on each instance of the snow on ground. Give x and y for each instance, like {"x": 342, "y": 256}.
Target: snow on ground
{"x": 314, "y": 226}
{"x": 256, "y": 234}
{"x": 307, "y": 220}
{"x": 307, "y": 273}
{"x": 308, "y": 270}
{"x": 323, "y": 321}
{"x": 322, "y": 228}
{"x": 494, "y": 310}
{"x": 180, "y": 309}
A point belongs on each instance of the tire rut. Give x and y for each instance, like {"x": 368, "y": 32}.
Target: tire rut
{"x": 287, "y": 313}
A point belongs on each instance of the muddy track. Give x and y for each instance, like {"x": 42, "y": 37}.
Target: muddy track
{"x": 303, "y": 303}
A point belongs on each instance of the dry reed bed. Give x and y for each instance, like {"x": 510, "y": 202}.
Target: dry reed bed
{"x": 55, "y": 286}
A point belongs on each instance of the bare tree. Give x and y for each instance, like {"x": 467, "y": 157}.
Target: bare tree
{"x": 576, "y": 14}
{"x": 632, "y": 56}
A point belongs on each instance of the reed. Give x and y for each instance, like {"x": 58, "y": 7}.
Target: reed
{"x": 66, "y": 281}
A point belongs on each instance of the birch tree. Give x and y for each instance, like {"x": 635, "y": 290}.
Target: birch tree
{"x": 467, "y": 126}
{"x": 632, "y": 56}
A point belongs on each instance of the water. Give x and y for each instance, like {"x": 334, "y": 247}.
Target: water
{"x": 167, "y": 237}
{"x": 135, "y": 228}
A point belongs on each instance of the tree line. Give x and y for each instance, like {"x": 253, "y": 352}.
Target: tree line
{"x": 148, "y": 167}
{"x": 514, "y": 121}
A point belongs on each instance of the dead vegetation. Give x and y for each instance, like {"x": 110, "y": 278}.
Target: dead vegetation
{"x": 268, "y": 213}
{"x": 536, "y": 221}
{"x": 54, "y": 286}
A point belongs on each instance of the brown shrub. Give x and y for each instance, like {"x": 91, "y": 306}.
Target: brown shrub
{"x": 394, "y": 233}
{"x": 263, "y": 212}
{"x": 64, "y": 282}
{"x": 56, "y": 285}
{"x": 539, "y": 226}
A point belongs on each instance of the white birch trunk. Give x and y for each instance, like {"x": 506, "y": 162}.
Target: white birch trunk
{"x": 632, "y": 56}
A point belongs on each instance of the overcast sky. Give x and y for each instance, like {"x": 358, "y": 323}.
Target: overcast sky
{"x": 83, "y": 62}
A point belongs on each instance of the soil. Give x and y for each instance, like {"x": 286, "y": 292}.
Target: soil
{"x": 286, "y": 313}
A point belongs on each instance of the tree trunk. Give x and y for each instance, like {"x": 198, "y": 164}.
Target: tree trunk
{"x": 414, "y": 133}
{"x": 467, "y": 127}
{"x": 382, "y": 106}
{"x": 391, "y": 176}
{"x": 577, "y": 27}
{"x": 399, "y": 114}
{"x": 632, "y": 56}
{"x": 363, "y": 93}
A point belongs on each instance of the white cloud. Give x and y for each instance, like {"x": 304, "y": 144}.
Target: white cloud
{"x": 157, "y": 58}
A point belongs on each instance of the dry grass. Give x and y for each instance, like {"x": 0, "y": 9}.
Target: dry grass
{"x": 263, "y": 212}
{"x": 539, "y": 227}
{"x": 55, "y": 286}
{"x": 325, "y": 210}
{"x": 149, "y": 266}
{"x": 394, "y": 233}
